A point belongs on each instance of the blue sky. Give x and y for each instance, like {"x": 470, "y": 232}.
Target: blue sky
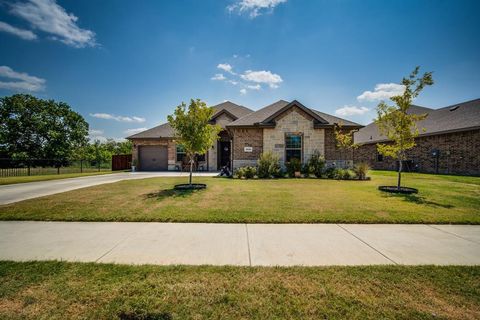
{"x": 125, "y": 65}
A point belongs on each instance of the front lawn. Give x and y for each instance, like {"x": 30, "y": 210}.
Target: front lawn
{"x": 46, "y": 177}
{"x": 442, "y": 199}
{"x": 59, "y": 290}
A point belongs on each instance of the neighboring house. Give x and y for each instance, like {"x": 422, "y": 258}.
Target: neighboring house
{"x": 449, "y": 142}
{"x": 287, "y": 128}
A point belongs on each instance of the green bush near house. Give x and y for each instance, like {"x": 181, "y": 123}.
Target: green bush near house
{"x": 316, "y": 164}
{"x": 361, "y": 170}
{"x": 247, "y": 172}
{"x": 294, "y": 165}
{"x": 269, "y": 166}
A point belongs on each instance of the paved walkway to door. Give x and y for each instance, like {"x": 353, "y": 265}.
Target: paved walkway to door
{"x": 22, "y": 191}
{"x": 240, "y": 244}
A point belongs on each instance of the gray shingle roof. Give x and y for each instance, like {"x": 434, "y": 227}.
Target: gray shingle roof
{"x": 457, "y": 117}
{"x": 257, "y": 117}
{"x": 232, "y": 108}
{"x": 166, "y": 131}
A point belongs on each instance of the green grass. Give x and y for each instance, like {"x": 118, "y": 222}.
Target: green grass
{"x": 23, "y": 179}
{"x": 442, "y": 199}
{"x": 59, "y": 290}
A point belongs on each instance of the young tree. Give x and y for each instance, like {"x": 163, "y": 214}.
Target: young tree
{"x": 397, "y": 124}
{"x": 344, "y": 138}
{"x": 193, "y": 129}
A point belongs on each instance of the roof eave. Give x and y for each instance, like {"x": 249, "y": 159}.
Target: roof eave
{"x": 427, "y": 134}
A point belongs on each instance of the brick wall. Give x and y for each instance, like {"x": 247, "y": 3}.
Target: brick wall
{"x": 246, "y": 137}
{"x": 459, "y": 153}
{"x": 332, "y": 152}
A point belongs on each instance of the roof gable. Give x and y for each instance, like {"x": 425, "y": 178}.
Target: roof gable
{"x": 316, "y": 118}
{"x": 266, "y": 116}
{"x": 232, "y": 110}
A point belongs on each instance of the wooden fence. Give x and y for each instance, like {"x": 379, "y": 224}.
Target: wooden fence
{"x": 121, "y": 162}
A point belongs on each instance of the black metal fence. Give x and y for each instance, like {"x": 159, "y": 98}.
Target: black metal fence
{"x": 32, "y": 167}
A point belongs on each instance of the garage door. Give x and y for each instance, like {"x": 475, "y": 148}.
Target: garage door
{"x": 153, "y": 158}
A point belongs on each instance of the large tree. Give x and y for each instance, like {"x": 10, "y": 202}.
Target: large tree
{"x": 193, "y": 129}
{"x": 397, "y": 124}
{"x": 32, "y": 128}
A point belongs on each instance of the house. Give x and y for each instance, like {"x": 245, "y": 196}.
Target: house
{"x": 288, "y": 129}
{"x": 448, "y": 143}
{"x": 155, "y": 149}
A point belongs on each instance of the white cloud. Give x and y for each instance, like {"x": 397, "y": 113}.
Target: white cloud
{"x": 108, "y": 116}
{"x": 243, "y": 91}
{"x": 49, "y": 17}
{"x": 272, "y": 79}
{"x": 382, "y": 91}
{"x": 254, "y": 8}
{"x": 233, "y": 82}
{"x": 351, "y": 111}
{"x": 218, "y": 76}
{"x": 134, "y": 130}
{"x": 225, "y": 67}
{"x": 254, "y": 87}
{"x": 99, "y": 138}
{"x": 26, "y": 83}
{"x": 94, "y": 132}
{"x": 21, "y": 33}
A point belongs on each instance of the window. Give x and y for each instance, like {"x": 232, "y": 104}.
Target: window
{"x": 201, "y": 157}
{"x": 379, "y": 157}
{"x": 180, "y": 152}
{"x": 293, "y": 147}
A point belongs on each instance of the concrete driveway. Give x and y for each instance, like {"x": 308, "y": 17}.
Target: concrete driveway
{"x": 22, "y": 191}
{"x": 240, "y": 244}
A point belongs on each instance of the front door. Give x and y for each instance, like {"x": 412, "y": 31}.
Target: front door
{"x": 223, "y": 154}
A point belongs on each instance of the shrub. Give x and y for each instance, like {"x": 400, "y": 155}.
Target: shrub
{"x": 269, "y": 165}
{"x": 361, "y": 170}
{"x": 316, "y": 164}
{"x": 239, "y": 173}
{"x": 250, "y": 172}
{"x": 343, "y": 174}
{"x": 247, "y": 172}
{"x": 293, "y": 166}
{"x": 330, "y": 173}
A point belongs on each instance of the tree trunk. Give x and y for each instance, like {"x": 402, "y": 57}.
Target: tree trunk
{"x": 191, "y": 169}
{"x": 400, "y": 164}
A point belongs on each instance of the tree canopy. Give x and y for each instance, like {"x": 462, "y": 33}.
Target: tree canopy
{"x": 193, "y": 129}
{"x": 32, "y": 128}
{"x": 99, "y": 151}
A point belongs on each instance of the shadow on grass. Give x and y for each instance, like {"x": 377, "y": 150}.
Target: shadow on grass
{"x": 415, "y": 198}
{"x": 170, "y": 193}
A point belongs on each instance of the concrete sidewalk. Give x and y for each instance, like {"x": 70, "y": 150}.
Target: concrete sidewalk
{"x": 240, "y": 244}
{"x": 23, "y": 191}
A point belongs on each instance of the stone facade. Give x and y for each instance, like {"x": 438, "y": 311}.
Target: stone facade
{"x": 458, "y": 153}
{"x": 222, "y": 120}
{"x": 294, "y": 120}
{"x": 246, "y": 137}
